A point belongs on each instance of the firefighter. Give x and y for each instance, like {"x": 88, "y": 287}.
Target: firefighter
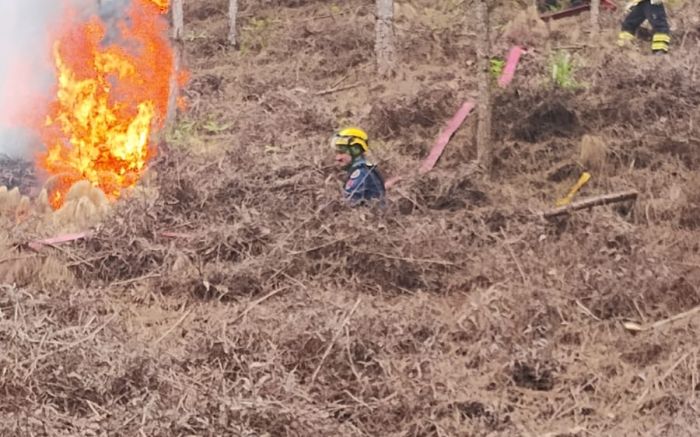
{"x": 652, "y": 10}
{"x": 364, "y": 181}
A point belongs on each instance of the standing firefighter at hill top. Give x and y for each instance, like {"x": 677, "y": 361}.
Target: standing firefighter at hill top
{"x": 363, "y": 182}
{"x": 652, "y": 10}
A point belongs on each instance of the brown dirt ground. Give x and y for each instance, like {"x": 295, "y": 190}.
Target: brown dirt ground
{"x": 457, "y": 311}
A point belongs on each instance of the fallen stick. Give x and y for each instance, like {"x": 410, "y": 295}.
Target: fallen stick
{"x": 16, "y": 258}
{"x": 575, "y": 10}
{"x": 176, "y": 235}
{"x": 73, "y": 344}
{"x": 335, "y": 338}
{"x": 523, "y": 276}
{"x": 413, "y": 260}
{"x": 172, "y": 328}
{"x": 591, "y": 202}
{"x": 256, "y": 303}
{"x": 632, "y": 326}
{"x": 338, "y": 89}
{"x": 132, "y": 280}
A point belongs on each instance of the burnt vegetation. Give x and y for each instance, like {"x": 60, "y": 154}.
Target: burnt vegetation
{"x": 239, "y": 296}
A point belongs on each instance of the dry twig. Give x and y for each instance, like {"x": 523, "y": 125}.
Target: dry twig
{"x": 256, "y": 303}
{"x": 591, "y": 202}
{"x": 75, "y": 343}
{"x": 632, "y": 326}
{"x": 338, "y": 89}
{"x": 172, "y": 328}
{"x": 338, "y": 331}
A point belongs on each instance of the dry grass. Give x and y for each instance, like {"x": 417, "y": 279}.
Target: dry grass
{"x": 243, "y": 298}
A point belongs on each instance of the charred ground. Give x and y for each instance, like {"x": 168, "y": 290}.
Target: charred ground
{"x": 245, "y": 299}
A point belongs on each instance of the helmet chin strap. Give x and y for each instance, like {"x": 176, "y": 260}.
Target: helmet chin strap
{"x": 355, "y": 152}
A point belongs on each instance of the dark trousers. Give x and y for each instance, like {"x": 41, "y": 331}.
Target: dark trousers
{"x": 656, "y": 14}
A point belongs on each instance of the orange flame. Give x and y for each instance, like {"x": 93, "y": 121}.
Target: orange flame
{"x": 111, "y": 97}
{"x": 163, "y": 5}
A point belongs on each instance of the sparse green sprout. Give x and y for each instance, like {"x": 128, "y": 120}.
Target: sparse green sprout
{"x": 497, "y": 66}
{"x": 562, "y": 67}
{"x": 255, "y": 35}
{"x": 554, "y": 7}
{"x": 215, "y": 127}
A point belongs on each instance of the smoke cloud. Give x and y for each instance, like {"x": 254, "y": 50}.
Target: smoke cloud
{"x": 26, "y": 69}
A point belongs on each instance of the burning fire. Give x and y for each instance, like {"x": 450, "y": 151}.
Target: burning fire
{"x": 111, "y": 96}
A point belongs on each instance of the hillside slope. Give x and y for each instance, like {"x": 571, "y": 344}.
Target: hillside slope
{"x": 246, "y": 299}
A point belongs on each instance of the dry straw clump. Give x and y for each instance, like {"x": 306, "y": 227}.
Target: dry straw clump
{"x": 242, "y": 297}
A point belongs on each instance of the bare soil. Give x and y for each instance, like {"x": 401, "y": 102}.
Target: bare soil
{"x": 239, "y": 296}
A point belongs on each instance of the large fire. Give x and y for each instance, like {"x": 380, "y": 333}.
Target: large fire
{"x": 111, "y": 97}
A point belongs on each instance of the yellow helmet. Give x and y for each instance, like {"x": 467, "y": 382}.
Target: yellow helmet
{"x": 349, "y": 137}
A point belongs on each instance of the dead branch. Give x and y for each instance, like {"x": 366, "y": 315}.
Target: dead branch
{"x": 519, "y": 266}
{"x": 335, "y": 338}
{"x": 413, "y": 260}
{"x": 75, "y": 343}
{"x": 133, "y": 280}
{"x": 172, "y": 328}
{"x": 17, "y": 258}
{"x": 256, "y": 303}
{"x": 591, "y": 202}
{"x": 338, "y": 89}
{"x": 631, "y": 326}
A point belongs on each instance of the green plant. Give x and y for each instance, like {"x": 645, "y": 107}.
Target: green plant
{"x": 562, "y": 68}
{"x": 335, "y": 9}
{"x": 554, "y": 7}
{"x": 213, "y": 126}
{"x": 255, "y": 35}
{"x": 497, "y": 66}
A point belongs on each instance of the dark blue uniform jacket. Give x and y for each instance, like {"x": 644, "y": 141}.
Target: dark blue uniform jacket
{"x": 364, "y": 183}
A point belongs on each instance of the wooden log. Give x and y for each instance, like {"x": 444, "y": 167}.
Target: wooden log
{"x": 484, "y": 134}
{"x": 232, "y": 17}
{"x": 177, "y": 17}
{"x": 384, "y": 48}
{"x": 595, "y": 21}
{"x": 591, "y": 202}
{"x": 178, "y": 20}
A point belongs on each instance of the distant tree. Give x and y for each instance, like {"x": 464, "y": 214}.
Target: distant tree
{"x": 595, "y": 24}
{"x": 232, "y": 16}
{"x": 484, "y": 150}
{"x": 384, "y": 45}
{"x": 178, "y": 28}
{"x": 178, "y": 18}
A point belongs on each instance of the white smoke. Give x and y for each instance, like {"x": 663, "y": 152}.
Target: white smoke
{"x": 26, "y": 69}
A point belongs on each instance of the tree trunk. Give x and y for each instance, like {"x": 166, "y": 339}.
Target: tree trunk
{"x": 384, "y": 45}
{"x": 484, "y": 152}
{"x": 178, "y": 20}
{"x": 178, "y": 28}
{"x": 232, "y": 16}
{"x": 604, "y": 199}
{"x": 595, "y": 23}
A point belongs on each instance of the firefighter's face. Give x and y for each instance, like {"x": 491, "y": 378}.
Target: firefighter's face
{"x": 342, "y": 159}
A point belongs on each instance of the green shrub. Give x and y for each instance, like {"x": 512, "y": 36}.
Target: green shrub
{"x": 497, "y": 66}
{"x": 562, "y": 68}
